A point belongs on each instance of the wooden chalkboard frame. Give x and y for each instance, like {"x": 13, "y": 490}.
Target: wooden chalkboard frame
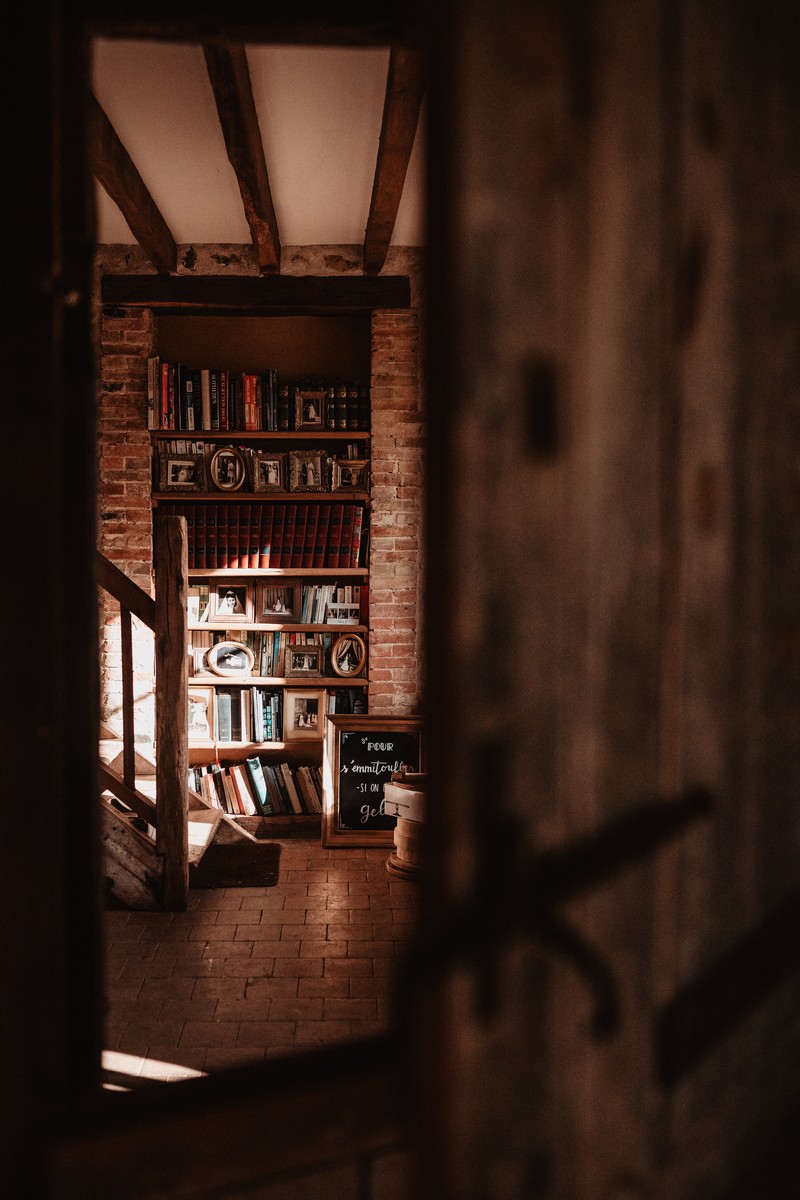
{"x": 333, "y": 834}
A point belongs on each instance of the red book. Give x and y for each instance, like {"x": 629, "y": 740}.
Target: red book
{"x": 346, "y": 544}
{"x": 200, "y": 536}
{"x": 245, "y": 511}
{"x": 334, "y": 536}
{"x": 234, "y": 549}
{"x": 222, "y": 535}
{"x": 301, "y": 520}
{"x": 278, "y": 521}
{"x": 288, "y": 536}
{"x": 249, "y": 383}
{"x": 311, "y": 536}
{"x": 266, "y": 552}
{"x": 364, "y": 601}
{"x": 358, "y": 521}
{"x": 164, "y": 417}
{"x": 211, "y": 537}
{"x": 254, "y": 526}
{"x": 322, "y": 535}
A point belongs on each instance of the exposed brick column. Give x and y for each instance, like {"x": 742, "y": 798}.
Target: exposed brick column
{"x": 125, "y": 525}
{"x": 395, "y": 662}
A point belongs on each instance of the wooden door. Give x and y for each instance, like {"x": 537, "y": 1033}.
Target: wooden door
{"x": 613, "y": 654}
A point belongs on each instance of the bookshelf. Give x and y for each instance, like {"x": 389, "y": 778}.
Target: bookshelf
{"x": 275, "y": 490}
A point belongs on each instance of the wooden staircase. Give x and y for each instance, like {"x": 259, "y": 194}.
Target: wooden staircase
{"x": 158, "y": 835}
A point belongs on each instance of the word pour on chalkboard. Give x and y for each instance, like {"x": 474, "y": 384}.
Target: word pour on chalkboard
{"x": 367, "y": 761}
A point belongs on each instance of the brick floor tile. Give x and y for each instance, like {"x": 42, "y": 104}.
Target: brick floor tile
{"x": 281, "y": 987}
{"x": 370, "y": 987}
{"x": 274, "y": 1037}
{"x": 317, "y": 948}
{"x": 265, "y": 904}
{"x": 121, "y": 992}
{"x": 297, "y": 1009}
{"x": 243, "y": 892}
{"x": 196, "y": 968}
{"x": 294, "y": 902}
{"x": 259, "y": 933}
{"x": 215, "y": 900}
{"x": 209, "y": 1033}
{"x": 355, "y": 901}
{"x": 377, "y": 950}
{"x": 336, "y": 1009}
{"x": 234, "y": 968}
{"x": 211, "y": 933}
{"x": 316, "y": 1033}
{"x": 387, "y": 931}
{"x": 141, "y": 1034}
{"x": 147, "y": 1008}
{"x": 238, "y": 948}
{"x": 239, "y": 916}
{"x": 385, "y": 966}
{"x": 361, "y": 916}
{"x": 349, "y": 966}
{"x": 253, "y": 1007}
{"x": 350, "y": 933}
{"x": 219, "y": 989}
{"x": 328, "y": 985}
{"x": 166, "y": 1061}
{"x": 299, "y": 968}
{"x": 219, "y": 1057}
{"x": 203, "y": 1008}
{"x": 168, "y": 986}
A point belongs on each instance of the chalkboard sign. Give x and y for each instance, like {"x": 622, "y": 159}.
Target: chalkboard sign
{"x": 361, "y": 755}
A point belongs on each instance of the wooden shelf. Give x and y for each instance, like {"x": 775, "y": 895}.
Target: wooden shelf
{"x": 195, "y": 627}
{"x": 291, "y": 681}
{"x": 261, "y": 497}
{"x": 260, "y": 435}
{"x": 332, "y": 573}
{"x": 301, "y": 750}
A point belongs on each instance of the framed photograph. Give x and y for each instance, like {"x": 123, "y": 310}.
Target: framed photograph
{"x": 309, "y": 408}
{"x": 343, "y": 614}
{"x": 303, "y": 661}
{"x": 348, "y": 655}
{"x": 227, "y": 469}
{"x": 350, "y": 475}
{"x": 269, "y": 472}
{"x": 360, "y": 756}
{"x": 230, "y": 603}
{"x": 201, "y": 714}
{"x": 277, "y": 602}
{"x": 182, "y": 473}
{"x": 303, "y": 714}
{"x": 232, "y": 659}
{"x": 307, "y": 471}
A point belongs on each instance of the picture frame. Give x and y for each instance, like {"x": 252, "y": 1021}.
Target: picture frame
{"x": 269, "y": 472}
{"x": 350, "y": 475}
{"x": 360, "y": 755}
{"x": 277, "y": 602}
{"x": 227, "y": 469}
{"x": 303, "y": 662}
{"x": 303, "y": 714}
{"x": 307, "y": 471}
{"x": 230, "y": 603}
{"x": 181, "y": 472}
{"x": 201, "y": 714}
{"x": 343, "y": 614}
{"x": 309, "y": 407}
{"x": 233, "y": 660}
{"x": 348, "y": 655}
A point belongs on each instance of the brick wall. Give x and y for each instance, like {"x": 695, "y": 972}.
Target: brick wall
{"x": 125, "y": 338}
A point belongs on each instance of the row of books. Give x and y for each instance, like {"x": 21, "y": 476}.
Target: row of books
{"x": 230, "y": 714}
{"x": 259, "y": 789}
{"x": 209, "y": 398}
{"x": 254, "y": 536}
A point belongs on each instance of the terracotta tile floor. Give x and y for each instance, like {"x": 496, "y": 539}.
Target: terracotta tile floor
{"x": 251, "y": 972}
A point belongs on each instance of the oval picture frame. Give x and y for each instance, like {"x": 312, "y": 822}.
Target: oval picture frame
{"x": 233, "y": 660}
{"x": 227, "y": 469}
{"x": 348, "y": 655}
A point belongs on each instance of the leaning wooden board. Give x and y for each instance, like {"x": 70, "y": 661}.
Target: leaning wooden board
{"x": 361, "y": 754}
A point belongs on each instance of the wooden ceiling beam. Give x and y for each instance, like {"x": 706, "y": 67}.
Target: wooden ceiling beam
{"x": 405, "y": 86}
{"x": 256, "y": 294}
{"x": 233, "y": 93}
{"x": 116, "y": 172}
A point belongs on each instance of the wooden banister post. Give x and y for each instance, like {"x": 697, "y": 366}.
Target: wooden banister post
{"x": 172, "y": 830}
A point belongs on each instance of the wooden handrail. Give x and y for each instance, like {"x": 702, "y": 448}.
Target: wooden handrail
{"x": 166, "y": 616}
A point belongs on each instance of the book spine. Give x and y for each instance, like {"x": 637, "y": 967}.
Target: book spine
{"x": 298, "y": 545}
{"x": 164, "y": 421}
{"x": 358, "y": 520}
{"x": 352, "y": 406}
{"x": 200, "y": 537}
{"x": 321, "y": 543}
{"x": 205, "y": 398}
{"x": 283, "y": 406}
{"x": 363, "y": 407}
{"x": 222, "y": 535}
{"x": 191, "y": 549}
{"x": 224, "y": 382}
{"x": 266, "y": 554}
{"x": 211, "y": 536}
{"x": 245, "y": 511}
{"x": 311, "y": 536}
{"x": 213, "y": 399}
{"x": 234, "y": 552}
{"x": 279, "y": 521}
{"x": 340, "y": 406}
{"x": 152, "y": 392}
{"x": 346, "y": 540}
{"x": 334, "y": 535}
